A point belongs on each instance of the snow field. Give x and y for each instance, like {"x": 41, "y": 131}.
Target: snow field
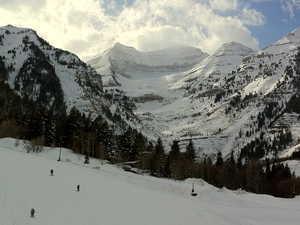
{"x": 110, "y": 196}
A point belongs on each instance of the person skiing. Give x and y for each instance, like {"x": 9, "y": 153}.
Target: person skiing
{"x": 51, "y": 172}
{"x": 78, "y": 187}
{"x": 32, "y": 212}
{"x": 193, "y": 193}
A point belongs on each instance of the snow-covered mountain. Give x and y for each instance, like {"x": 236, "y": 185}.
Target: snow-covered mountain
{"x": 56, "y": 79}
{"x": 221, "y": 101}
{"x": 246, "y": 104}
{"x": 211, "y": 72}
{"x": 123, "y": 61}
{"x": 288, "y": 43}
{"x": 45, "y": 74}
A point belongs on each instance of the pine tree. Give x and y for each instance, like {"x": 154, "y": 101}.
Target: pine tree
{"x": 219, "y": 161}
{"x": 138, "y": 147}
{"x": 175, "y": 151}
{"x": 190, "y": 151}
{"x": 158, "y": 159}
{"x": 86, "y": 159}
{"x": 172, "y": 165}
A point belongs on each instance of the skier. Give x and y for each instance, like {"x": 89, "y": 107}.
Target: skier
{"x": 51, "y": 172}
{"x": 78, "y": 187}
{"x": 193, "y": 193}
{"x": 32, "y": 212}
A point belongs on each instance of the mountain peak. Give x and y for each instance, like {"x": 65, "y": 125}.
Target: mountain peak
{"x": 288, "y": 43}
{"x": 295, "y": 31}
{"x": 130, "y": 62}
{"x": 234, "y": 44}
{"x": 13, "y": 29}
{"x": 294, "y": 36}
{"x": 120, "y": 47}
{"x": 233, "y": 48}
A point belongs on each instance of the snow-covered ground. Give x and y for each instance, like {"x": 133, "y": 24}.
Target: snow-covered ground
{"x": 111, "y": 196}
{"x": 294, "y": 166}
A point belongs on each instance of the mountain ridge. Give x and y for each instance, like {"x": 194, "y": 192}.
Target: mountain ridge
{"x": 123, "y": 61}
{"x": 201, "y": 101}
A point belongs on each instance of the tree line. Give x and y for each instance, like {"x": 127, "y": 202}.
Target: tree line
{"x": 253, "y": 175}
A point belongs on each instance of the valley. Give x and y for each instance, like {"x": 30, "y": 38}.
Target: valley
{"x": 196, "y": 102}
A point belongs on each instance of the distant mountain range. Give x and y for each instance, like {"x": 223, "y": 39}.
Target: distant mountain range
{"x": 230, "y": 100}
{"x": 216, "y": 100}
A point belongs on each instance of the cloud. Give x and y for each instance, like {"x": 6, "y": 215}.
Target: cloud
{"x": 290, "y": 6}
{"x": 224, "y": 5}
{"x": 252, "y": 17}
{"x": 88, "y": 27}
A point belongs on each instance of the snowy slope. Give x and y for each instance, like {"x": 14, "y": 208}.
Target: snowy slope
{"x": 286, "y": 44}
{"x": 123, "y": 61}
{"x": 110, "y": 196}
{"x": 210, "y": 73}
{"x": 35, "y": 68}
{"x": 294, "y": 165}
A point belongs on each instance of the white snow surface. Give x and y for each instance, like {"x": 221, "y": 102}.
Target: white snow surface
{"x": 111, "y": 196}
{"x": 214, "y": 68}
{"x": 294, "y": 165}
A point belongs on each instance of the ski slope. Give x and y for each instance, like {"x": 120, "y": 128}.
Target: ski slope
{"x": 110, "y": 196}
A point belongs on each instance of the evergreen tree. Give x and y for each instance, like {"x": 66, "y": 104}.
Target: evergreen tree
{"x": 219, "y": 161}
{"x": 175, "y": 151}
{"x": 138, "y": 147}
{"x": 158, "y": 159}
{"x": 190, "y": 151}
{"x": 86, "y": 159}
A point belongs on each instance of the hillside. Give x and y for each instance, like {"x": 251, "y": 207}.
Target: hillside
{"x": 111, "y": 196}
{"x": 211, "y": 72}
{"x": 53, "y": 78}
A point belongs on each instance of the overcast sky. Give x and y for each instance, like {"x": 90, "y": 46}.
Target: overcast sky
{"x": 87, "y": 27}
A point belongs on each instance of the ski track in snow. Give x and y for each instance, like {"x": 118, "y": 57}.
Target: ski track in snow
{"x": 111, "y": 196}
